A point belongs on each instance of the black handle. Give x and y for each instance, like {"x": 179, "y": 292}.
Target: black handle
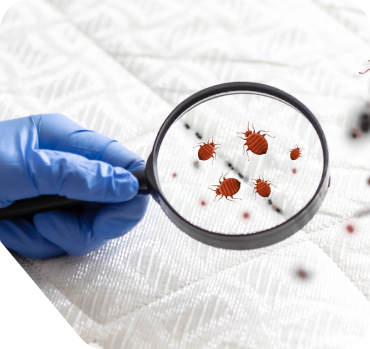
{"x": 29, "y": 207}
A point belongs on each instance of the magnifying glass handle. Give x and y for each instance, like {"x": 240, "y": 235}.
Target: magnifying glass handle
{"x": 29, "y": 207}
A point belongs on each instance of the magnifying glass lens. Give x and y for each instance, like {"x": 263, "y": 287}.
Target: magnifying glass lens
{"x": 209, "y": 164}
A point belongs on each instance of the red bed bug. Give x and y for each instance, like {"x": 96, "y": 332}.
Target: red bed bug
{"x": 256, "y": 142}
{"x": 262, "y": 187}
{"x": 228, "y": 187}
{"x": 207, "y": 150}
{"x": 295, "y": 153}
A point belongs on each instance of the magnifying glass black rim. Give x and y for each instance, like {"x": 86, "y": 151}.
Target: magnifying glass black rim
{"x": 247, "y": 241}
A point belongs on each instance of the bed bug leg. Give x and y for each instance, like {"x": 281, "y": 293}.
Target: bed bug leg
{"x": 214, "y": 191}
{"x": 235, "y": 198}
{"x": 270, "y": 183}
{"x": 254, "y": 192}
{"x": 266, "y": 135}
{"x": 199, "y": 144}
{"x": 220, "y": 178}
{"x": 366, "y": 70}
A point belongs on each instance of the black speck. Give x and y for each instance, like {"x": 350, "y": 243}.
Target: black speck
{"x": 187, "y": 126}
{"x": 198, "y": 135}
{"x": 270, "y": 202}
{"x": 365, "y": 123}
{"x": 278, "y": 210}
{"x": 229, "y": 164}
{"x": 354, "y": 135}
{"x": 240, "y": 175}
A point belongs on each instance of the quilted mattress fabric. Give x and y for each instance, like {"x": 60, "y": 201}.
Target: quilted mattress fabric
{"x": 119, "y": 68}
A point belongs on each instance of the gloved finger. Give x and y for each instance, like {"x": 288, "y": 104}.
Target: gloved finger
{"x": 79, "y": 234}
{"x": 21, "y": 236}
{"x": 117, "y": 155}
{"x": 58, "y": 132}
{"x": 115, "y": 220}
{"x": 74, "y": 176}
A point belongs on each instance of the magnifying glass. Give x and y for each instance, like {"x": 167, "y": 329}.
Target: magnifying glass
{"x": 238, "y": 165}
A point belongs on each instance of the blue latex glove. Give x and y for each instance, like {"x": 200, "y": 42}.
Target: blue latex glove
{"x": 50, "y": 154}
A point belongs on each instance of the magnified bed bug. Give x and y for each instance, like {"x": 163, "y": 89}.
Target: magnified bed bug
{"x": 255, "y": 141}
{"x": 228, "y": 187}
{"x": 295, "y": 153}
{"x": 207, "y": 150}
{"x": 262, "y": 187}
{"x": 365, "y": 71}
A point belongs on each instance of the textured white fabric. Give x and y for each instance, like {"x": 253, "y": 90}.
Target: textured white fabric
{"x": 120, "y": 67}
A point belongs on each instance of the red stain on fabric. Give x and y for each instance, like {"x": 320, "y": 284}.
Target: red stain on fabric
{"x": 356, "y": 133}
{"x": 302, "y": 274}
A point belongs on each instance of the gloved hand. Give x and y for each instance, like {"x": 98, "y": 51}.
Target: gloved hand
{"x": 50, "y": 154}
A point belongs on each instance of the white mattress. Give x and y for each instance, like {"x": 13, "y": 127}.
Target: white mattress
{"x": 119, "y": 68}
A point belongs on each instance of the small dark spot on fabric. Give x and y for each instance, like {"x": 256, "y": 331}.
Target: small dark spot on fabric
{"x": 270, "y": 202}
{"x": 196, "y": 164}
{"x": 240, "y": 175}
{"x": 294, "y": 170}
{"x": 302, "y": 274}
{"x": 174, "y": 174}
{"x": 198, "y": 135}
{"x": 246, "y": 215}
{"x": 350, "y": 228}
{"x": 356, "y": 133}
{"x": 278, "y": 210}
{"x": 229, "y": 164}
{"x": 203, "y": 203}
{"x": 273, "y": 207}
{"x": 187, "y": 126}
